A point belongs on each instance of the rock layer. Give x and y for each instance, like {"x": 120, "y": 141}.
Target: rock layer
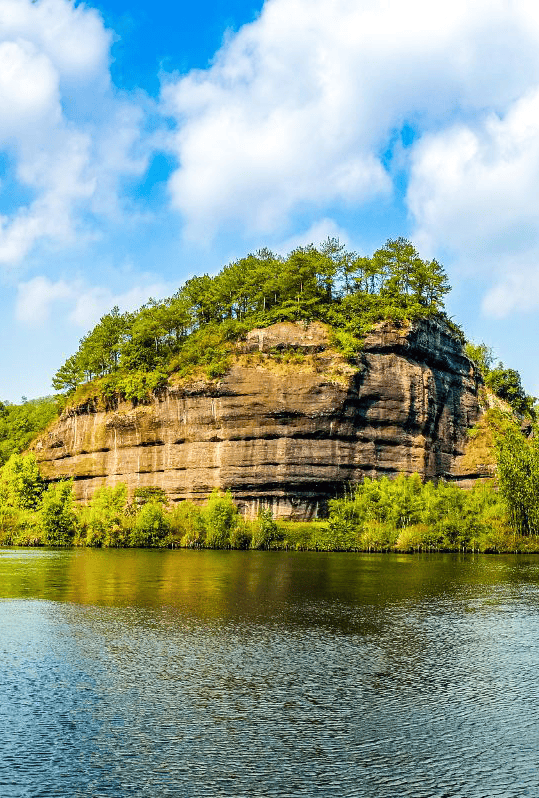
{"x": 288, "y": 434}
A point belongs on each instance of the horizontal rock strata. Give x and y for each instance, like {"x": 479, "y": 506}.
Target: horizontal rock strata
{"x": 289, "y": 435}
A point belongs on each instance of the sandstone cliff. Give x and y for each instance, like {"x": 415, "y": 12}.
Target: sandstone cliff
{"x": 289, "y": 425}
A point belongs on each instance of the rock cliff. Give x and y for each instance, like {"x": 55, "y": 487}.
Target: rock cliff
{"x": 290, "y": 424}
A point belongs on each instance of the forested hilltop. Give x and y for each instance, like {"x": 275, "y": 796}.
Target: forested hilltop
{"x": 132, "y": 354}
{"x": 194, "y": 333}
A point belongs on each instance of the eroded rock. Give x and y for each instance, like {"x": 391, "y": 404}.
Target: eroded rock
{"x": 285, "y": 434}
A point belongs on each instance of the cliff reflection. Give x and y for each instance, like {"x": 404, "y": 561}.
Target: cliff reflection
{"x": 299, "y": 587}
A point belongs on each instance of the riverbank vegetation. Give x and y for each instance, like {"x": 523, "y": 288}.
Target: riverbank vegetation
{"x": 401, "y": 514}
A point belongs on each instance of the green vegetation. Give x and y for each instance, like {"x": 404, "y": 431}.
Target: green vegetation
{"x": 132, "y": 355}
{"x": 505, "y": 383}
{"x": 518, "y": 475}
{"x": 402, "y": 514}
{"x": 19, "y": 424}
{"x": 193, "y": 334}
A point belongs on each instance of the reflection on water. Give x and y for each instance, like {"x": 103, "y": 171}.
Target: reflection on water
{"x": 181, "y": 673}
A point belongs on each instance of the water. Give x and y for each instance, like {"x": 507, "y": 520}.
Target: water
{"x": 181, "y": 673}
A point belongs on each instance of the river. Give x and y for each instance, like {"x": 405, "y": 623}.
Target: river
{"x": 202, "y": 673}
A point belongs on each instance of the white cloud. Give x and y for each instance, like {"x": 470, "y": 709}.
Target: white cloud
{"x": 70, "y": 138}
{"x": 36, "y": 297}
{"x": 474, "y": 189}
{"x": 516, "y": 289}
{"x": 78, "y": 302}
{"x": 299, "y": 105}
{"x": 92, "y": 302}
{"x": 316, "y": 234}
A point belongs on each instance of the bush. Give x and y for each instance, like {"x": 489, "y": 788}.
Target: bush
{"x": 151, "y": 527}
{"x": 21, "y": 484}
{"x": 220, "y": 517}
{"x": 241, "y": 534}
{"x": 103, "y": 519}
{"x": 188, "y": 525}
{"x": 57, "y": 514}
{"x": 265, "y": 531}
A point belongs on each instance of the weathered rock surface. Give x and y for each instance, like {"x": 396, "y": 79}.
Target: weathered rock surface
{"x": 285, "y": 434}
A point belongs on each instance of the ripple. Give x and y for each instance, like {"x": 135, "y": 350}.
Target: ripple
{"x": 427, "y": 695}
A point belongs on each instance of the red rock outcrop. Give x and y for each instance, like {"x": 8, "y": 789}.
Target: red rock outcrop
{"x": 290, "y": 424}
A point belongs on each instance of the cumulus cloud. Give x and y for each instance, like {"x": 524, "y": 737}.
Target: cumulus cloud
{"x": 77, "y": 301}
{"x": 70, "y": 138}
{"x": 475, "y": 189}
{"x": 36, "y": 297}
{"x": 316, "y": 234}
{"x": 299, "y": 106}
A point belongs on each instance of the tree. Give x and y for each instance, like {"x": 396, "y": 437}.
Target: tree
{"x": 151, "y": 527}
{"x": 103, "y": 517}
{"x": 482, "y": 356}
{"x": 220, "y": 516}
{"x": 518, "y": 476}
{"x": 266, "y": 531}
{"x": 197, "y": 326}
{"x": 57, "y": 514}
{"x": 21, "y": 484}
{"x": 20, "y": 423}
{"x": 506, "y": 384}
{"x": 69, "y": 376}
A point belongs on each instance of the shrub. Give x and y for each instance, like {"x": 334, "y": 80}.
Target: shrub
{"x": 57, "y": 514}
{"x": 265, "y": 531}
{"x": 241, "y": 534}
{"x": 187, "y": 524}
{"x": 151, "y": 527}
{"x": 220, "y": 516}
{"x": 103, "y": 519}
{"x": 21, "y": 484}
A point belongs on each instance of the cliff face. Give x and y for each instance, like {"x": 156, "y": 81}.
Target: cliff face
{"x": 289, "y": 429}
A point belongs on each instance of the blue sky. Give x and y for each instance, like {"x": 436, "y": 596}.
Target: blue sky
{"x": 141, "y": 143}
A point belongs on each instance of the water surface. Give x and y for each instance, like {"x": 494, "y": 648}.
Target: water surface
{"x": 186, "y": 673}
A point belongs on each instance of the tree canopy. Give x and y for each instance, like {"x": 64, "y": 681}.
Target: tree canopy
{"x": 504, "y": 382}
{"x": 328, "y": 283}
{"x": 19, "y": 424}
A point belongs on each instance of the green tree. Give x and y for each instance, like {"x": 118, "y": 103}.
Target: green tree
{"x": 21, "y": 484}
{"x": 69, "y": 376}
{"x": 266, "y": 532}
{"x": 103, "y": 518}
{"x": 198, "y": 325}
{"x": 482, "y": 356}
{"x": 151, "y": 527}
{"x": 19, "y": 424}
{"x": 58, "y": 515}
{"x": 506, "y": 384}
{"x": 518, "y": 476}
{"x": 220, "y": 516}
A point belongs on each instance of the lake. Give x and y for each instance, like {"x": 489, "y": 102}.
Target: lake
{"x": 215, "y": 673}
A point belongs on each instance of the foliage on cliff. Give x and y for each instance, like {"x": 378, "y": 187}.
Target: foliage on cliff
{"x": 197, "y": 327}
{"x": 505, "y": 383}
{"x": 19, "y": 424}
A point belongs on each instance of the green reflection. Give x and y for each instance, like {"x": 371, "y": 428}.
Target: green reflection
{"x": 232, "y": 584}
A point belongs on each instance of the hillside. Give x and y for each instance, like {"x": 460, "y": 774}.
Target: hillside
{"x": 289, "y": 425}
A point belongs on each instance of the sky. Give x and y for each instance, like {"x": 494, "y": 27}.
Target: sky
{"x": 144, "y": 142}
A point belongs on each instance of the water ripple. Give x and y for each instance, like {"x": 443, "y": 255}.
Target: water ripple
{"x": 429, "y": 694}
